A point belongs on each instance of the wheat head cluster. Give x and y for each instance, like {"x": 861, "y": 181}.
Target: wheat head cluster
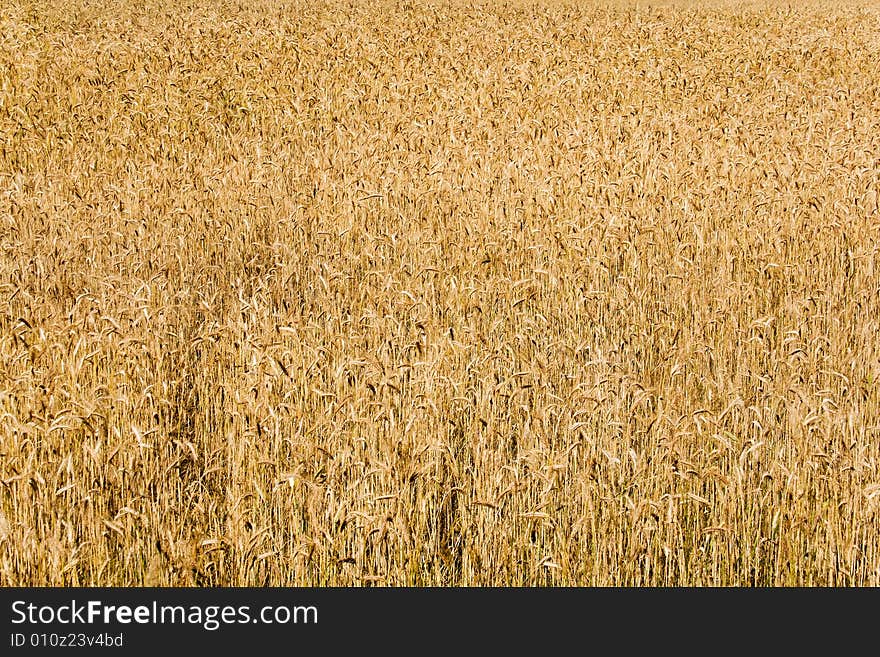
{"x": 446, "y": 293}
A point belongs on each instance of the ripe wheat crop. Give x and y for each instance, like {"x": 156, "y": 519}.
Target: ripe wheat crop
{"x": 454, "y": 293}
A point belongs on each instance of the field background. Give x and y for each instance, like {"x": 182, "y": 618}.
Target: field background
{"x": 383, "y": 293}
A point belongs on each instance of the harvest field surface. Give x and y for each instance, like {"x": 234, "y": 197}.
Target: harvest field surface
{"x": 439, "y": 293}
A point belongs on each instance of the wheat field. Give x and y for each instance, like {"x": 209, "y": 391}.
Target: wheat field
{"x": 454, "y": 293}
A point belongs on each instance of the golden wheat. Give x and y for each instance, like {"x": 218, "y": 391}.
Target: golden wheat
{"x": 451, "y": 293}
